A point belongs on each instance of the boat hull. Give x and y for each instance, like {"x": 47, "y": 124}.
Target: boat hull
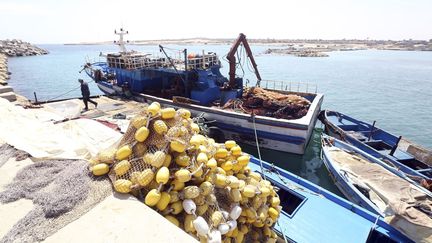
{"x": 322, "y": 216}
{"x": 284, "y": 135}
{"x": 345, "y": 187}
{"x": 355, "y": 182}
{"x": 290, "y": 136}
{"x": 333, "y": 129}
{"x": 106, "y": 88}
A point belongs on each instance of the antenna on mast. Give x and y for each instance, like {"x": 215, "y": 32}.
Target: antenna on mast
{"x": 121, "y": 43}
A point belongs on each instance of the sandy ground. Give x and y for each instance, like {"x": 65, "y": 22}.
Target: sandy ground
{"x": 121, "y": 218}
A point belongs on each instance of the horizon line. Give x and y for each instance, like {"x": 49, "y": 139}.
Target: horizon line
{"x": 231, "y": 39}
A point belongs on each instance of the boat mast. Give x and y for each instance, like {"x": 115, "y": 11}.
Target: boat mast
{"x": 121, "y": 43}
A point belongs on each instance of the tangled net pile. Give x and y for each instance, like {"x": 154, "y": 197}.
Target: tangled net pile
{"x": 268, "y": 103}
{"x": 203, "y": 187}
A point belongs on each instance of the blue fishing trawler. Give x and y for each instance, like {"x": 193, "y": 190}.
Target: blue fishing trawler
{"x": 313, "y": 214}
{"x": 408, "y": 157}
{"x": 282, "y": 119}
{"x": 379, "y": 188}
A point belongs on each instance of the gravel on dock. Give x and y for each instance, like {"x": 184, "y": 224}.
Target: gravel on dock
{"x": 61, "y": 191}
{"x": 7, "y": 152}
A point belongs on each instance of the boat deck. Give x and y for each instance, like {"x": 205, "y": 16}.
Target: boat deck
{"x": 411, "y": 158}
{"x": 394, "y": 196}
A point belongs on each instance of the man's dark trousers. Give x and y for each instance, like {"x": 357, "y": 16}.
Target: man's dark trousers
{"x": 87, "y": 99}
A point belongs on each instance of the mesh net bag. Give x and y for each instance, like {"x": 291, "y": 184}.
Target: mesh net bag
{"x": 203, "y": 187}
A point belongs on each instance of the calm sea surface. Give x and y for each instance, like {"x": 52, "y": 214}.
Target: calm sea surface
{"x": 393, "y": 88}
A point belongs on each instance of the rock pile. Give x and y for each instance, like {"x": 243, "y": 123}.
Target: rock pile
{"x": 17, "y": 48}
{"x": 299, "y": 52}
{"x": 4, "y": 74}
{"x": 13, "y": 48}
{"x": 6, "y": 92}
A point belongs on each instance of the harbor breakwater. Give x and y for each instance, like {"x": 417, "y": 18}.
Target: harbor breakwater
{"x": 6, "y": 91}
{"x": 13, "y": 48}
{"x": 17, "y": 48}
{"x": 4, "y": 73}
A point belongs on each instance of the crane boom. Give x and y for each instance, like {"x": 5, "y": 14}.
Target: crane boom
{"x": 232, "y": 59}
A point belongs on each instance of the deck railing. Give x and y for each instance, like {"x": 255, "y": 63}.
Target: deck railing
{"x": 136, "y": 62}
{"x": 289, "y": 86}
{"x": 150, "y": 61}
{"x": 202, "y": 62}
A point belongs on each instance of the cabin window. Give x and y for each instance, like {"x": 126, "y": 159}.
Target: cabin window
{"x": 378, "y": 237}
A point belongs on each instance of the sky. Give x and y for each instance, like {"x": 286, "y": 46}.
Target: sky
{"x": 57, "y": 21}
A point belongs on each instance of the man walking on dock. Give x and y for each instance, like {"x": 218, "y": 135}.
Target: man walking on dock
{"x": 85, "y": 91}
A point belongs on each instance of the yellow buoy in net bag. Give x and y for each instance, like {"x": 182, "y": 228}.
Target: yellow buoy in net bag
{"x": 152, "y": 197}
{"x": 123, "y": 186}
{"x": 168, "y": 113}
{"x": 100, "y": 169}
{"x": 145, "y": 177}
{"x": 123, "y": 152}
{"x": 160, "y": 127}
{"x": 141, "y": 134}
{"x": 122, "y": 167}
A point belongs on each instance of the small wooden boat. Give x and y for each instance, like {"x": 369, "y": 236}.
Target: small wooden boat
{"x": 313, "y": 214}
{"x": 410, "y": 158}
{"x": 380, "y": 188}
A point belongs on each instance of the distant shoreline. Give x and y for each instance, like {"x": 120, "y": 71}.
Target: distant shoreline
{"x": 268, "y": 41}
{"x": 296, "y": 47}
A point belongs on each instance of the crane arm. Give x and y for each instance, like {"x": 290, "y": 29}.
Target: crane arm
{"x": 232, "y": 59}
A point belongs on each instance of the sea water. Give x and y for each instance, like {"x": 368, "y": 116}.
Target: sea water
{"x": 392, "y": 88}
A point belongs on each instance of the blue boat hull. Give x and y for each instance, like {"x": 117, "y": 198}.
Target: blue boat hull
{"x": 374, "y": 141}
{"x": 321, "y": 216}
{"x": 278, "y": 134}
{"x": 344, "y": 179}
{"x": 349, "y": 191}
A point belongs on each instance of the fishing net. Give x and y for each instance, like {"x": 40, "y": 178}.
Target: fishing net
{"x": 405, "y": 207}
{"x": 61, "y": 191}
{"x": 269, "y": 103}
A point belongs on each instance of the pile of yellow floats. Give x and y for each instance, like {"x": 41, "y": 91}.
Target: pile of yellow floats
{"x": 201, "y": 186}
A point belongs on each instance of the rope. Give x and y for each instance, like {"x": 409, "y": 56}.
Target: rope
{"x": 239, "y": 63}
{"x": 262, "y": 169}
{"x": 373, "y": 227}
{"x": 58, "y": 96}
{"x": 257, "y": 146}
{"x": 294, "y": 187}
{"x": 283, "y": 232}
{"x": 173, "y": 49}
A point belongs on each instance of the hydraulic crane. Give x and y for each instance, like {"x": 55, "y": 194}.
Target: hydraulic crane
{"x": 232, "y": 60}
